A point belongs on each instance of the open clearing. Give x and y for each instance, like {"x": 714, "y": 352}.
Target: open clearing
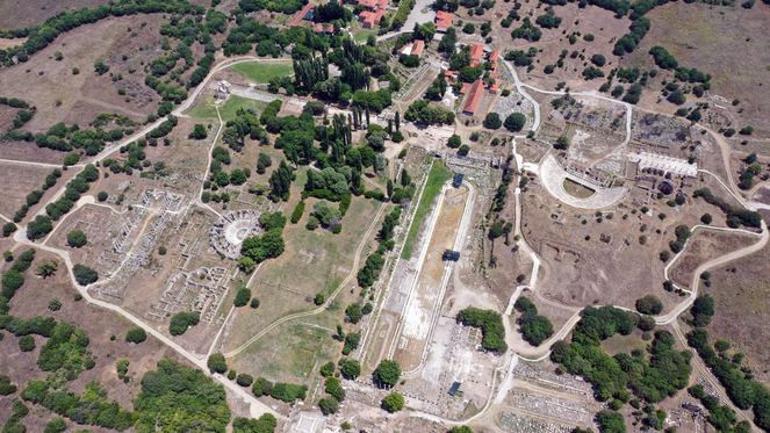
{"x": 205, "y": 108}
{"x": 740, "y": 290}
{"x": 715, "y": 39}
{"x": 314, "y": 261}
{"x": 15, "y": 14}
{"x": 263, "y": 72}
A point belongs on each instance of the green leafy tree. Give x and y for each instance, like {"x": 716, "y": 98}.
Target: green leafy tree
{"x": 217, "y": 363}
{"x": 387, "y": 373}
{"x": 393, "y": 402}
{"x": 136, "y": 335}
{"x": 515, "y": 122}
{"x": 84, "y": 275}
{"x": 350, "y": 368}
{"x": 182, "y": 321}
{"x": 76, "y": 239}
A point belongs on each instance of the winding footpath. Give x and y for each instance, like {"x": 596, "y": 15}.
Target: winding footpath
{"x": 256, "y": 407}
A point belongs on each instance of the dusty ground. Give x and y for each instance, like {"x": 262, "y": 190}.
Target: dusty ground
{"x": 705, "y": 246}
{"x": 418, "y": 316}
{"x": 18, "y": 13}
{"x": 19, "y": 180}
{"x": 742, "y": 311}
{"x": 715, "y": 39}
{"x": 86, "y": 94}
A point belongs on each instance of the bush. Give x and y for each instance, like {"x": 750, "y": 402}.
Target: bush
{"x": 492, "y": 121}
{"x": 649, "y": 304}
{"x": 102, "y": 196}
{"x": 261, "y": 387}
{"x": 333, "y": 387}
{"x": 6, "y": 387}
{"x": 254, "y": 303}
{"x": 288, "y": 392}
{"x": 217, "y": 363}
{"x": 199, "y": 132}
{"x": 491, "y": 324}
{"x": 76, "y": 239}
{"x": 244, "y": 380}
{"x": 136, "y": 335}
{"x": 610, "y": 422}
{"x": 84, "y": 275}
{"x": 242, "y": 297}
{"x": 9, "y": 229}
{"x": 328, "y": 406}
{"x": 393, "y": 402}
{"x": 182, "y": 321}
{"x": 515, "y": 122}
{"x": 327, "y": 370}
{"x": 387, "y": 373}
{"x": 56, "y": 425}
{"x": 350, "y": 368}
{"x": 27, "y": 343}
{"x": 454, "y": 141}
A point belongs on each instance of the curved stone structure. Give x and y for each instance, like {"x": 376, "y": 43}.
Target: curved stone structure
{"x": 552, "y": 175}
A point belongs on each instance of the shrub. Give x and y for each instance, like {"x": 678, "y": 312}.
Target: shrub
{"x": 244, "y": 380}
{"x": 288, "y": 392}
{"x": 387, "y": 373}
{"x": 328, "y": 406}
{"x": 136, "y": 335}
{"x": 84, "y": 275}
{"x": 492, "y": 121}
{"x": 515, "y": 122}
{"x": 491, "y": 324}
{"x": 649, "y": 304}
{"x": 261, "y": 387}
{"x": 393, "y": 402}
{"x": 217, "y": 363}
{"x": 242, "y": 297}
{"x": 27, "y": 343}
{"x": 182, "y": 321}
{"x": 350, "y": 368}
{"x": 76, "y": 239}
{"x": 6, "y": 387}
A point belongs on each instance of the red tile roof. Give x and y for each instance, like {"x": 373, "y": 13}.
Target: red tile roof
{"x": 370, "y": 19}
{"x": 443, "y": 20}
{"x": 323, "y": 27}
{"x": 417, "y": 47}
{"x": 473, "y": 98}
{"x": 297, "y": 18}
{"x": 477, "y": 53}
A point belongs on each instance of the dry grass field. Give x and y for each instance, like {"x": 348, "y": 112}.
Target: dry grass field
{"x": 730, "y": 43}
{"x": 314, "y": 261}
{"x": 85, "y": 95}
{"x": 741, "y": 290}
{"x": 16, "y": 14}
{"x": 18, "y": 181}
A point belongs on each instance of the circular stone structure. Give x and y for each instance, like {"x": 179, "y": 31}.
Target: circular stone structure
{"x": 229, "y": 232}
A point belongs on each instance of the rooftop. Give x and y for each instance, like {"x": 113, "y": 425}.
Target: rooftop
{"x": 443, "y": 20}
{"x": 473, "y": 97}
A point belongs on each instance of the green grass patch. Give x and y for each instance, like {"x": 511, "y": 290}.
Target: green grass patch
{"x": 206, "y": 110}
{"x": 362, "y": 35}
{"x": 439, "y": 174}
{"x": 263, "y": 72}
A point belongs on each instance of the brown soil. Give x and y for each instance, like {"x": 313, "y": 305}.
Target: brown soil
{"x": 740, "y": 290}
